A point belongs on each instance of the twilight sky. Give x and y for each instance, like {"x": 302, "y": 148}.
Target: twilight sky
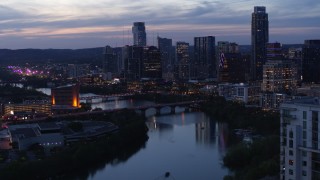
{"x": 95, "y": 23}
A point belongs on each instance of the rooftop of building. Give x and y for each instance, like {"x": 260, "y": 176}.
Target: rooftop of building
{"x": 48, "y": 126}
{"x": 65, "y": 86}
{"x": 305, "y": 100}
{"x": 25, "y": 132}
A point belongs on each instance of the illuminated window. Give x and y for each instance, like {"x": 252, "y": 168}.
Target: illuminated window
{"x": 291, "y": 162}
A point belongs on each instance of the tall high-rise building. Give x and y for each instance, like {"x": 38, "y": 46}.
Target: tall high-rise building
{"x": 232, "y": 65}
{"x": 204, "y": 57}
{"x": 274, "y": 51}
{"x": 299, "y": 139}
{"x": 111, "y": 62}
{"x": 165, "y": 48}
{"x": 311, "y": 61}
{"x": 139, "y": 34}
{"x": 182, "y": 60}
{"x": 132, "y": 58}
{"x": 151, "y": 63}
{"x": 279, "y": 74}
{"x": 259, "y": 38}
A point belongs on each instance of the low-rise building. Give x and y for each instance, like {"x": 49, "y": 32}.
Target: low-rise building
{"x": 56, "y": 134}
{"x": 249, "y": 94}
{"x": 27, "y": 109}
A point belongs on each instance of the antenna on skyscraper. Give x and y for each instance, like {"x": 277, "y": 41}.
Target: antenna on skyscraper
{"x": 128, "y": 39}
{"x": 152, "y": 38}
{"x": 123, "y": 36}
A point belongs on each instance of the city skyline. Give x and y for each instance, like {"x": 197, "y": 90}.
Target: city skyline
{"x": 73, "y": 24}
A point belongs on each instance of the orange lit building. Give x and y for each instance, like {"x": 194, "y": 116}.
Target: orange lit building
{"x": 65, "y": 97}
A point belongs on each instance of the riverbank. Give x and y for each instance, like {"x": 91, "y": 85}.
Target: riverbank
{"x": 85, "y": 156}
{"x": 257, "y": 159}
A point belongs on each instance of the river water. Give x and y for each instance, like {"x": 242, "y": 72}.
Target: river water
{"x": 188, "y": 145}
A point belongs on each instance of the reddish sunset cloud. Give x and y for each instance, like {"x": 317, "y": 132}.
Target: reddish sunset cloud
{"x": 81, "y": 24}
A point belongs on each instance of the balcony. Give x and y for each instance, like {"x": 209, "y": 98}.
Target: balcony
{"x": 287, "y": 118}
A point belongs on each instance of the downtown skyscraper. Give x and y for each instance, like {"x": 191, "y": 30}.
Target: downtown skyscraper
{"x": 311, "y": 61}
{"x": 167, "y": 57}
{"x": 139, "y": 34}
{"x": 182, "y": 61}
{"x": 259, "y": 39}
{"x": 205, "y": 57}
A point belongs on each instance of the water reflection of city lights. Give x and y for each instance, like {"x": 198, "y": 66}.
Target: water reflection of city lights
{"x": 154, "y": 122}
{"x": 182, "y": 118}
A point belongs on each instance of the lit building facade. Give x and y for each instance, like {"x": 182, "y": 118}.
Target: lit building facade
{"x": 65, "y": 97}
{"x": 139, "y": 34}
{"x": 311, "y": 61}
{"x": 183, "y": 60}
{"x": 279, "y": 76}
{"x": 28, "y": 109}
{"x": 151, "y": 63}
{"x": 259, "y": 38}
{"x": 299, "y": 139}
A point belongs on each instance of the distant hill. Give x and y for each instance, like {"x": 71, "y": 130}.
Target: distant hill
{"x": 53, "y": 55}
{"x": 89, "y": 55}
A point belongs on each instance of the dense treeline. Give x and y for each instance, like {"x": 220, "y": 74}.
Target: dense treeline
{"x": 78, "y": 159}
{"x": 17, "y": 94}
{"x": 239, "y": 116}
{"x": 167, "y": 98}
{"x": 255, "y": 161}
{"x": 104, "y": 90}
{"x": 249, "y": 161}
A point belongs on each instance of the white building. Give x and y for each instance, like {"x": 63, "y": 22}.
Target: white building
{"x": 239, "y": 92}
{"x": 299, "y": 139}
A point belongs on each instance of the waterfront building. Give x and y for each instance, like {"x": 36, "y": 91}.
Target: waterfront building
{"x": 299, "y": 139}
{"x": 139, "y": 34}
{"x": 311, "y": 61}
{"x": 204, "y": 61}
{"x": 259, "y": 38}
{"x": 56, "y": 134}
{"x": 27, "y": 110}
{"x": 65, "y": 97}
{"x": 248, "y": 94}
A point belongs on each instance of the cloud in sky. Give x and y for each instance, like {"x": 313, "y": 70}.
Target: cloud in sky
{"x": 80, "y": 24}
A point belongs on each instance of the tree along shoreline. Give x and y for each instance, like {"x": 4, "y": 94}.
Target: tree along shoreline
{"x": 87, "y": 157}
{"x": 248, "y": 161}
